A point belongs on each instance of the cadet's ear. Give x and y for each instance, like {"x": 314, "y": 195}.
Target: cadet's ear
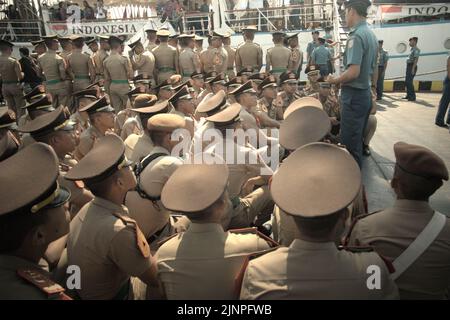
{"x": 39, "y": 236}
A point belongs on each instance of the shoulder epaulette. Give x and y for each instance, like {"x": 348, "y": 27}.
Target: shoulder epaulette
{"x": 272, "y": 243}
{"x": 38, "y": 279}
{"x": 141, "y": 242}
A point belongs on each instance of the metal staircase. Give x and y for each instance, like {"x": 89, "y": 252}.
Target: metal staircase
{"x": 341, "y": 35}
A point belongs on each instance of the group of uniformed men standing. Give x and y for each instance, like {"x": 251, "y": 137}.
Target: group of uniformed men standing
{"x": 96, "y": 182}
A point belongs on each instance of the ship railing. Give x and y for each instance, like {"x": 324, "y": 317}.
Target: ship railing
{"x": 20, "y": 30}
{"x": 197, "y": 22}
{"x": 293, "y": 17}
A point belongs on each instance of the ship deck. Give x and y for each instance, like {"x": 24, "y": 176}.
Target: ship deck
{"x": 411, "y": 122}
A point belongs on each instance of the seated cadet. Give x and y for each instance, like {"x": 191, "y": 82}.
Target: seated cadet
{"x": 55, "y": 129}
{"x": 413, "y": 235}
{"x": 313, "y": 73}
{"x": 245, "y": 73}
{"x": 144, "y": 204}
{"x": 203, "y": 261}
{"x": 143, "y": 81}
{"x": 289, "y": 89}
{"x": 164, "y": 90}
{"x": 104, "y": 241}
{"x": 183, "y": 105}
{"x": 326, "y": 95}
{"x": 123, "y": 115}
{"x": 133, "y": 124}
{"x": 248, "y": 181}
{"x": 101, "y": 117}
{"x": 257, "y": 78}
{"x": 138, "y": 147}
{"x": 198, "y": 84}
{"x": 232, "y": 85}
{"x": 35, "y": 109}
{"x": 312, "y": 267}
{"x": 217, "y": 83}
{"x": 9, "y": 145}
{"x": 82, "y": 99}
{"x": 207, "y": 78}
{"x": 30, "y": 219}
{"x": 267, "y": 102}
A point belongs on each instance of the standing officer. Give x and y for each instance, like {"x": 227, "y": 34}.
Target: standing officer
{"x": 411, "y": 69}
{"x": 360, "y": 63}
{"x": 11, "y": 75}
{"x": 312, "y": 267}
{"x": 311, "y": 46}
{"x": 104, "y": 241}
{"x": 445, "y": 101}
{"x": 248, "y": 53}
{"x": 166, "y": 57}
{"x": 151, "y": 38}
{"x": 204, "y": 254}
{"x": 411, "y": 234}
{"x": 92, "y": 44}
{"x": 321, "y": 56}
{"x": 278, "y": 57}
{"x": 198, "y": 44}
{"x": 67, "y": 46}
{"x": 101, "y": 117}
{"x": 32, "y": 215}
{"x": 142, "y": 61}
{"x": 39, "y": 48}
{"x": 118, "y": 71}
{"x": 231, "y": 52}
{"x": 54, "y": 68}
{"x": 189, "y": 60}
{"x": 81, "y": 65}
{"x": 100, "y": 56}
{"x": 382, "y": 65}
{"x": 215, "y": 57}
{"x": 296, "y": 60}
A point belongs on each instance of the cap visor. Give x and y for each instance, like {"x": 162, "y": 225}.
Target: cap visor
{"x": 63, "y": 197}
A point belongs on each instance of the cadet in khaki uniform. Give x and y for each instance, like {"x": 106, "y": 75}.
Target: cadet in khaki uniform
{"x": 313, "y": 73}
{"x": 104, "y": 241}
{"x": 418, "y": 174}
{"x": 92, "y": 44}
{"x": 296, "y": 60}
{"x": 55, "y": 129}
{"x": 204, "y": 254}
{"x": 231, "y": 52}
{"x": 164, "y": 90}
{"x": 289, "y": 85}
{"x": 99, "y": 57}
{"x": 101, "y": 117}
{"x": 138, "y": 147}
{"x": 278, "y": 58}
{"x": 215, "y": 57}
{"x": 39, "y": 47}
{"x": 142, "y": 61}
{"x": 268, "y": 89}
{"x": 151, "y": 39}
{"x": 216, "y": 83}
{"x": 67, "y": 46}
{"x": 166, "y": 58}
{"x": 54, "y": 68}
{"x": 189, "y": 61}
{"x": 330, "y": 103}
{"x": 312, "y": 267}
{"x": 11, "y": 74}
{"x": 118, "y": 71}
{"x": 80, "y": 65}
{"x": 249, "y": 54}
{"x": 154, "y": 170}
{"x": 247, "y": 181}
{"x": 82, "y": 99}
{"x": 198, "y": 44}
{"x": 26, "y": 214}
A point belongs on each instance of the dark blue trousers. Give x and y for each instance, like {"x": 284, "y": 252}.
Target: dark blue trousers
{"x": 410, "y": 93}
{"x": 380, "y": 82}
{"x": 355, "y": 109}
{"x": 443, "y": 104}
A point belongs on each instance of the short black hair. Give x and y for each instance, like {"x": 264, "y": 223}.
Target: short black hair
{"x": 24, "y": 51}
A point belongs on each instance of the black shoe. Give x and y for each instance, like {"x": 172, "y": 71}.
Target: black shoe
{"x": 412, "y": 100}
{"x": 441, "y": 124}
{"x": 406, "y": 98}
{"x": 366, "y": 151}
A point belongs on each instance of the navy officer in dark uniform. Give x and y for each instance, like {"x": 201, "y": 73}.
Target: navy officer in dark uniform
{"x": 360, "y": 61}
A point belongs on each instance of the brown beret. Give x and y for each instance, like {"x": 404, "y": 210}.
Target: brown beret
{"x": 29, "y": 181}
{"x": 303, "y": 126}
{"x": 194, "y": 187}
{"x": 166, "y": 122}
{"x": 226, "y": 116}
{"x": 9, "y": 146}
{"x": 316, "y": 180}
{"x": 420, "y": 161}
{"x": 101, "y": 162}
{"x": 212, "y": 104}
{"x": 300, "y": 103}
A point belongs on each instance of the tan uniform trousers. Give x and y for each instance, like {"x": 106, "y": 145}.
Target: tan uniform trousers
{"x": 118, "y": 95}
{"x": 80, "y": 84}
{"x": 59, "y": 92}
{"x": 13, "y": 94}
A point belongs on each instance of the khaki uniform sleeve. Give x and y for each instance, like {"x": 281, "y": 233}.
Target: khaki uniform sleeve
{"x": 197, "y": 62}
{"x": 177, "y": 61}
{"x": 268, "y": 60}
{"x": 128, "y": 68}
{"x": 92, "y": 71}
{"x": 62, "y": 68}
{"x": 237, "y": 60}
{"x": 260, "y": 58}
{"x": 124, "y": 252}
{"x": 18, "y": 70}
